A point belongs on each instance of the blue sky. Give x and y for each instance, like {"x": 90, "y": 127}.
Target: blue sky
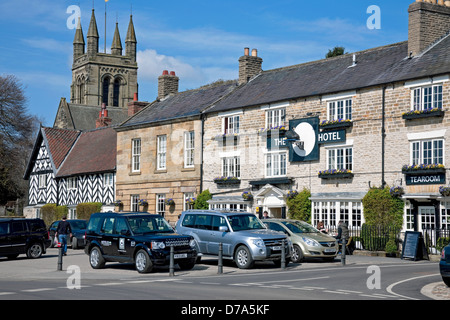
{"x": 200, "y": 40}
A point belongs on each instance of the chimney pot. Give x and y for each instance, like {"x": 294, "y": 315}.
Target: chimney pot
{"x": 254, "y": 53}
{"x": 135, "y": 97}
{"x": 165, "y": 73}
{"x": 172, "y": 73}
{"x": 246, "y": 51}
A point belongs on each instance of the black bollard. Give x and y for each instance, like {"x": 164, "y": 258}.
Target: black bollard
{"x": 283, "y": 255}
{"x": 344, "y": 243}
{"x": 220, "y": 263}
{"x": 60, "y": 258}
{"x": 172, "y": 264}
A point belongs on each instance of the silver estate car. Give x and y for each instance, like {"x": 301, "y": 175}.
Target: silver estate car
{"x": 244, "y": 238}
{"x": 307, "y": 241}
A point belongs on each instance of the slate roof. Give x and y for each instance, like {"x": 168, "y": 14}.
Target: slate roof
{"x": 94, "y": 152}
{"x": 83, "y": 116}
{"x": 180, "y": 105}
{"x": 374, "y": 67}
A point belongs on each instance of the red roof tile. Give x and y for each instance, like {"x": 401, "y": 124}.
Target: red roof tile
{"x": 60, "y": 142}
{"x": 95, "y": 151}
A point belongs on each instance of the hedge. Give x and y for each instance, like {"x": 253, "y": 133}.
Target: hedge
{"x": 84, "y": 210}
{"x": 51, "y": 212}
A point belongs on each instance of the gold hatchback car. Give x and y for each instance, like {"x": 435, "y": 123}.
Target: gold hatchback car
{"x": 307, "y": 241}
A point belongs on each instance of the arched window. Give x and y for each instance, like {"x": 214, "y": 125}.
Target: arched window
{"x": 81, "y": 93}
{"x": 116, "y": 93}
{"x": 105, "y": 91}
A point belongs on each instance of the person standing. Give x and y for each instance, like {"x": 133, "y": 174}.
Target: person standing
{"x": 62, "y": 231}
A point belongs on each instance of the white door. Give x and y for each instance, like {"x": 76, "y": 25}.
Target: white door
{"x": 427, "y": 219}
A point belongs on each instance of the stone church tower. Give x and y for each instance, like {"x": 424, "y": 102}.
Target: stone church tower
{"x": 99, "y": 78}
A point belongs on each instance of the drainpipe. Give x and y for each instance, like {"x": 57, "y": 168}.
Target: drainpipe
{"x": 383, "y": 137}
{"x": 202, "y": 117}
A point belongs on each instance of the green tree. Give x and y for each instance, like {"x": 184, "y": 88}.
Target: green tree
{"x": 336, "y": 51}
{"x": 382, "y": 209}
{"x": 300, "y": 206}
{"x": 201, "y": 201}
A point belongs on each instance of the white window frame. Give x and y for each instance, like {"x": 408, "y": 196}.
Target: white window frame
{"x": 231, "y": 167}
{"x": 427, "y": 97}
{"x": 333, "y": 211}
{"x": 42, "y": 181}
{"x": 335, "y": 154}
{"x": 189, "y": 149}
{"x": 161, "y": 204}
{"x": 275, "y": 117}
{"x": 71, "y": 183}
{"x": 136, "y": 149}
{"x": 134, "y": 203}
{"x": 417, "y": 148}
{"x": 339, "y": 109}
{"x": 108, "y": 179}
{"x": 276, "y": 164}
{"x": 231, "y": 124}
{"x": 161, "y": 156}
{"x": 186, "y": 196}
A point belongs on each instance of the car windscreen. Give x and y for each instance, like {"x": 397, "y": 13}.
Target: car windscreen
{"x": 299, "y": 227}
{"x": 149, "y": 224}
{"x": 78, "y": 225}
{"x": 245, "y": 222}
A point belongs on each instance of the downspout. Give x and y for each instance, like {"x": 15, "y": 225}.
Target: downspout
{"x": 202, "y": 117}
{"x": 383, "y": 136}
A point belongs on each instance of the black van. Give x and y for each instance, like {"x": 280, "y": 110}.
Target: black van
{"x": 23, "y": 236}
{"x": 140, "y": 238}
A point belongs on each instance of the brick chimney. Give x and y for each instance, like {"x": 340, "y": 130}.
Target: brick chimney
{"x": 249, "y": 65}
{"x": 167, "y": 84}
{"x": 135, "y": 106}
{"x": 429, "y": 20}
{"x": 103, "y": 120}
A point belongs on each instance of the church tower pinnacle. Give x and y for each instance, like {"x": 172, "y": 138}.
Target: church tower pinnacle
{"x": 97, "y": 77}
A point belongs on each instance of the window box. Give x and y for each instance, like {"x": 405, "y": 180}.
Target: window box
{"x": 281, "y": 130}
{"x": 336, "y": 124}
{"x": 423, "y": 169}
{"x": 227, "y": 180}
{"x": 336, "y": 174}
{"x": 427, "y": 113}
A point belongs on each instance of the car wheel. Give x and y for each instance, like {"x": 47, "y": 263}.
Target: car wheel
{"x": 142, "y": 262}
{"x": 297, "y": 254}
{"x": 446, "y": 281}
{"x": 243, "y": 258}
{"x": 96, "y": 258}
{"x": 35, "y": 251}
{"x": 74, "y": 243}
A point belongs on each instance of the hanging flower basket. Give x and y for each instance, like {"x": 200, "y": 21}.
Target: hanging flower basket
{"x": 170, "y": 202}
{"x": 143, "y": 203}
{"x": 292, "y": 194}
{"x": 247, "y": 195}
{"x": 190, "y": 201}
{"x": 444, "y": 191}
{"x": 118, "y": 203}
{"x": 396, "y": 191}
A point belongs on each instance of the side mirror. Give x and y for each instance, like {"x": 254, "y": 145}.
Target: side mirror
{"x": 223, "y": 229}
{"x": 125, "y": 232}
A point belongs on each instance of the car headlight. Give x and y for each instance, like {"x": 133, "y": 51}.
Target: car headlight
{"x": 157, "y": 245}
{"x": 310, "y": 242}
{"x": 192, "y": 243}
{"x": 259, "y": 243}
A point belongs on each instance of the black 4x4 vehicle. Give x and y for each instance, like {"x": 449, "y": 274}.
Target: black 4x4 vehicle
{"x": 23, "y": 236}
{"x": 141, "y": 238}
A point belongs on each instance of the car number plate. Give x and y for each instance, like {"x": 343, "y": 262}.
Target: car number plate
{"x": 180, "y": 256}
{"x": 330, "y": 250}
{"x": 276, "y": 248}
